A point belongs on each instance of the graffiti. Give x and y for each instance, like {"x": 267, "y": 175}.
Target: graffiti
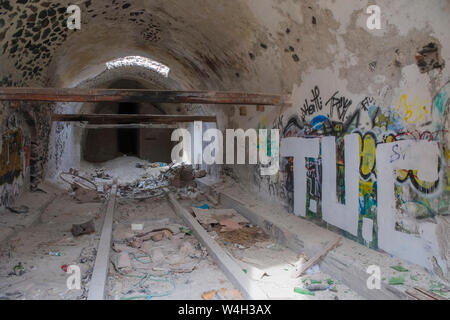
{"x": 415, "y": 111}
{"x": 413, "y": 197}
{"x": 11, "y": 160}
{"x": 292, "y": 128}
{"x": 366, "y": 103}
{"x": 368, "y": 143}
{"x": 418, "y": 135}
{"x": 340, "y": 104}
{"x": 314, "y": 105}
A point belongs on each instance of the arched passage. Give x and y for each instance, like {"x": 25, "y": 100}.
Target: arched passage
{"x": 147, "y": 142}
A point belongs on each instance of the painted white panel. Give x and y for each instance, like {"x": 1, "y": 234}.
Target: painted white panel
{"x": 415, "y": 249}
{"x": 367, "y": 229}
{"x": 300, "y": 148}
{"x": 198, "y": 143}
{"x": 344, "y": 216}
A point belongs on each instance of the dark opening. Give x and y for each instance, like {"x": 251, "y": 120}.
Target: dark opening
{"x": 127, "y": 139}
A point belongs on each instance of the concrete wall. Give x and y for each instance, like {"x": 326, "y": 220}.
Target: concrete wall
{"x": 367, "y": 135}
{"x": 15, "y": 156}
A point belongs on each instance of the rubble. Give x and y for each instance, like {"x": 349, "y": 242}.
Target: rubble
{"x": 84, "y": 228}
{"x": 87, "y": 187}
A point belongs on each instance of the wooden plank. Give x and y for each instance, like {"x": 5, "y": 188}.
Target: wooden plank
{"x": 97, "y": 287}
{"x": 430, "y": 294}
{"x": 130, "y": 118}
{"x": 314, "y": 260}
{"x": 418, "y": 295}
{"x": 139, "y": 96}
{"x": 232, "y": 270}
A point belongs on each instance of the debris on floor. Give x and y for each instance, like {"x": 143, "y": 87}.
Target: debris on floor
{"x": 222, "y": 294}
{"x": 84, "y": 228}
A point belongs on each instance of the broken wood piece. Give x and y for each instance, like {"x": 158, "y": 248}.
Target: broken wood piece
{"x": 209, "y": 295}
{"x": 207, "y": 217}
{"x": 123, "y": 260}
{"x": 84, "y": 228}
{"x": 85, "y": 195}
{"x": 204, "y": 217}
{"x": 317, "y": 257}
{"x": 430, "y": 294}
{"x": 212, "y": 199}
{"x": 222, "y": 294}
{"x": 418, "y": 295}
{"x": 229, "y": 225}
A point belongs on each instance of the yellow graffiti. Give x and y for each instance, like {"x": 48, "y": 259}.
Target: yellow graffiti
{"x": 11, "y": 161}
{"x": 415, "y": 111}
{"x": 367, "y": 155}
{"x": 365, "y": 187}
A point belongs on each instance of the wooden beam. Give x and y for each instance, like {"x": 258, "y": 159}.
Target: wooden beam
{"x": 130, "y": 118}
{"x": 128, "y": 126}
{"x": 97, "y": 286}
{"x": 138, "y": 96}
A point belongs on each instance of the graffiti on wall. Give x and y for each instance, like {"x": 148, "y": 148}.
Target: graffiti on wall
{"x": 14, "y": 159}
{"x": 11, "y": 156}
{"x": 417, "y": 200}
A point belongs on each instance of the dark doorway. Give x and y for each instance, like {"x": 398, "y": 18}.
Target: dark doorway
{"x": 127, "y": 139}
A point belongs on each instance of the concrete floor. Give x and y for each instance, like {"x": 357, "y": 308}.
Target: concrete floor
{"x": 180, "y": 269}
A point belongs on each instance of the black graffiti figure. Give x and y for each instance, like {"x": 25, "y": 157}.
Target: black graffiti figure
{"x": 341, "y": 104}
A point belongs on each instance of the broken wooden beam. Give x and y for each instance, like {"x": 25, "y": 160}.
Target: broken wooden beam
{"x": 130, "y": 118}
{"x": 428, "y": 294}
{"x": 314, "y": 260}
{"x": 232, "y": 270}
{"x": 97, "y": 286}
{"x": 138, "y": 96}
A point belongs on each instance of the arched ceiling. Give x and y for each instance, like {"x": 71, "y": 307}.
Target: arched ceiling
{"x": 207, "y": 44}
{"x": 246, "y": 45}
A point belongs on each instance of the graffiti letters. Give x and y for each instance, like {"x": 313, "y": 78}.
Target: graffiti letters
{"x": 340, "y": 104}
{"x": 314, "y": 105}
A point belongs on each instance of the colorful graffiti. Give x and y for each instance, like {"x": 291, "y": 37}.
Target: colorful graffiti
{"x": 11, "y": 156}
{"x": 416, "y": 199}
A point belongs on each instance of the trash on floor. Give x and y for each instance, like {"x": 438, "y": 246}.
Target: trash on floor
{"x": 304, "y": 291}
{"x": 222, "y": 294}
{"x": 18, "y": 269}
{"x": 84, "y": 228}
{"x": 395, "y": 281}
{"x": 399, "y": 268}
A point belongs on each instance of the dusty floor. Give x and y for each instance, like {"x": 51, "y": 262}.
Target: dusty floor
{"x": 154, "y": 253}
{"x": 359, "y": 256}
{"x": 29, "y": 271}
{"x": 271, "y": 264}
{"x": 176, "y": 268}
